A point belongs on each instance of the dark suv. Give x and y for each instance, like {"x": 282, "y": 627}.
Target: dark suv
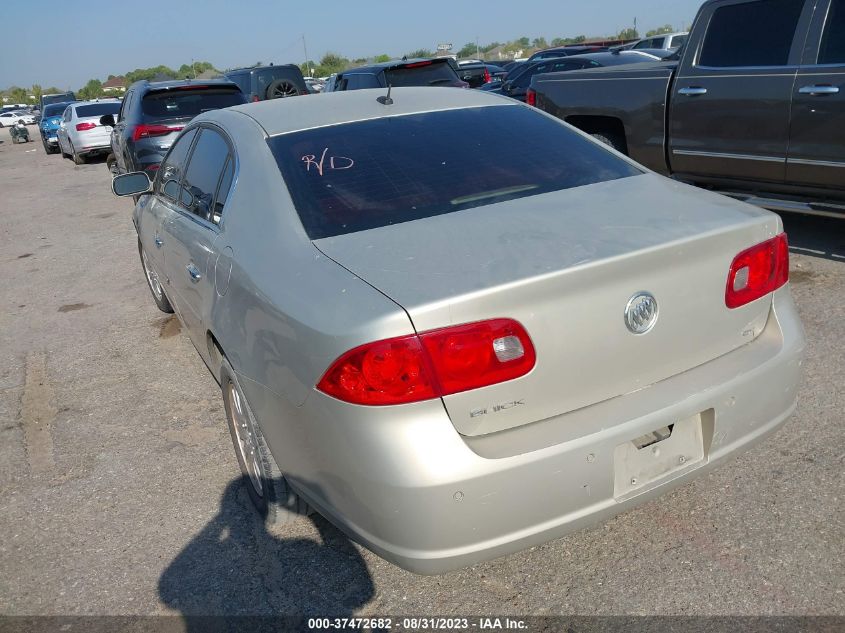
{"x": 407, "y": 72}
{"x": 153, "y": 114}
{"x": 269, "y": 82}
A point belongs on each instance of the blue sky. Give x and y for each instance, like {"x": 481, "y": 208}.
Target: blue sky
{"x": 66, "y": 43}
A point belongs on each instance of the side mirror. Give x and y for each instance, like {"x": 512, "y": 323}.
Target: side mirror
{"x": 131, "y": 184}
{"x": 506, "y": 86}
{"x": 107, "y": 119}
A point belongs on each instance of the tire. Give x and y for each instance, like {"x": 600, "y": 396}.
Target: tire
{"x": 280, "y": 89}
{"x": 111, "y": 164}
{"x": 609, "y": 138}
{"x": 78, "y": 159}
{"x": 47, "y": 148}
{"x": 156, "y": 290}
{"x": 61, "y": 150}
{"x": 272, "y": 496}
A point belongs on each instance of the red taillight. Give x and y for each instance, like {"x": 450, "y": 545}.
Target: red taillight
{"x": 432, "y": 364}
{"x": 417, "y": 64}
{"x": 487, "y": 76}
{"x": 89, "y": 125}
{"x": 145, "y": 130}
{"x": 531, "y": 97}
{"x": 254, "y": 98}
{"x": 758, "y": 271}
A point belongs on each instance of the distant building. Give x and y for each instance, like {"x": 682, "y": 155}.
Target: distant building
{"x": 115, "y": 84}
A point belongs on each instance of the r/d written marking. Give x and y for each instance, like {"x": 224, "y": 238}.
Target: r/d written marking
{"x": 335, "y": 162}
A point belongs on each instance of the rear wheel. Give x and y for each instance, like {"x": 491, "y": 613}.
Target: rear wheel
{"x": 609, "y": 138}
{"x": 153, "y": 283}
{"x": 78, "y": 159}
{"x": 281, "y": 88}
{"x": 267, "y": 487}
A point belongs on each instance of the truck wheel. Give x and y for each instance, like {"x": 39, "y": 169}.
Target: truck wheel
{"x": 608, "y": 138}
{"x": 270, "y": 493}
{"x": 280, "y": 89}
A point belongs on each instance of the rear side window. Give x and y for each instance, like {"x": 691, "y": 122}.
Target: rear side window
{"x": 832, "y": 50}
{"x": 98, "y": 109}
{"x": 751, "y": 34}
{"x": 358, "y": 176}
{"x": 421, "y": 74}
{"x": 204, "y": 172}
{"x": 174, "y": 103}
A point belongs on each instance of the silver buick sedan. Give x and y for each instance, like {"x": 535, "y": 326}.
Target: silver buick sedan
{"x": 458, "y": 327}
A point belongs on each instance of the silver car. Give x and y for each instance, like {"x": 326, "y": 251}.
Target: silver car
{"x": 80, "y": 132}
{"x": 454, "y": 349}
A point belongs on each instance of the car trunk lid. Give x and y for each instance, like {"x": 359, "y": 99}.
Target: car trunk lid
{"x": 565, "y": 265}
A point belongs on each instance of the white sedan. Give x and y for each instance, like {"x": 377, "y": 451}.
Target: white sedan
{"x": 8, "y": 119}
{"x": 81, "y": 134}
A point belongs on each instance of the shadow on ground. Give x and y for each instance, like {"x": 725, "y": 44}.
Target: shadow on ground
{"x": 816, "y": 236}
{"x": 256, "y": 580}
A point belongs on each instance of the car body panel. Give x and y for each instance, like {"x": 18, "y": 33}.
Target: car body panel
{"x": 561, "y": 272}
{"x": 402, "y": 479}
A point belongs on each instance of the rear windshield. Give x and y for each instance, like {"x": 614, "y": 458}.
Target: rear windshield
{"x": 98, "y": 109}
{"x": 61, "y": 98}
{"x": 166, "y": 104}
{"x": 426, "y": 74}
{"x": 358, "y": 176}
{"x": 54, "y": 110}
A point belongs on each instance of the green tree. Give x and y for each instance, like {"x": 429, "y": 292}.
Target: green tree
{"x": 420, "y": 52}
{"x": 539, "y": 42}
{"x": 660, "y": 30}
{"x": 489, "y": 47}
{"x": 468, "y": 50}
{"x": 17, "y": 94}
{"x": 579, "y": 39}
{"x": 524, "y": 42}
{"x": 378, "y": 59}
{"x": 149, "y": 73}
{"x": 331, "y": 63}
{"x": 628, "y": 34}
{"x": 91, "y": 90}
{"x": 37, "y": 92}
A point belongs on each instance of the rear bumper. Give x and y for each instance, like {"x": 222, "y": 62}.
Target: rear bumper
{"x": 401, "y": 481}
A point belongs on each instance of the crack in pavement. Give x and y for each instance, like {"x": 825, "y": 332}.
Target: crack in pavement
{"x": 38, "y": 411}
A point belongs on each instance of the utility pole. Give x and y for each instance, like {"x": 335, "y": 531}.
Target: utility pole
{"x": 307, "y": 63}
{"x": 635, "y": 26}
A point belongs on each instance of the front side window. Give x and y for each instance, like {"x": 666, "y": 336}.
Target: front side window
{"x": 204, "y": 172}
{"x": 832, "y": 49}
{"x": 369, "y": 174}
{"x": 173, "y": 165}
{"x": 758, "y": 33}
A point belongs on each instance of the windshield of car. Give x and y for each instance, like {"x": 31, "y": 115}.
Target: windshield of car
{"x": 54, "y": 109}
{"x": 188, "y": 102}
{"x": 368, "y": 174}
{"x": 98, "y": 109}
{"x": 421, "y": 74}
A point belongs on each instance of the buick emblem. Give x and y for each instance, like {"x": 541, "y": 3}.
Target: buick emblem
{"x": 641, "y": 312}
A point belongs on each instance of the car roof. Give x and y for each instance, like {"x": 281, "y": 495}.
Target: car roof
{"x": 393, "y": 63}
{"x": 179, "y": 83}
{"x": 76, "y": 104}
{"x": 249, "y": 69}
{"x": 613, "y": 59}
{"x": 281, "y": 116}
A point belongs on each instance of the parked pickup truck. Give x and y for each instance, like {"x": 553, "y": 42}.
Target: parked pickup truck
{"x": 753, "y": 105}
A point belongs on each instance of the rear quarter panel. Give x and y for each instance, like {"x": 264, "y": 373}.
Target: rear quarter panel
{"x": 635, "y": 95}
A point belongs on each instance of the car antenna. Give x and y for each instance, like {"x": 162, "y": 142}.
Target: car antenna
{"x": 386, "y": 100}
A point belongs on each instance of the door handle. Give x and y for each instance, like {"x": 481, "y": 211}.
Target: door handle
{"x": 818, "y": 91}
{"x": 692, "y": 91}
{"x": 194, "y": 272}
{"x": 158, "y": 242}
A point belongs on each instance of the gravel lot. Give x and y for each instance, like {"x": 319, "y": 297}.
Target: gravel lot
{"x": 120, "y": 494}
